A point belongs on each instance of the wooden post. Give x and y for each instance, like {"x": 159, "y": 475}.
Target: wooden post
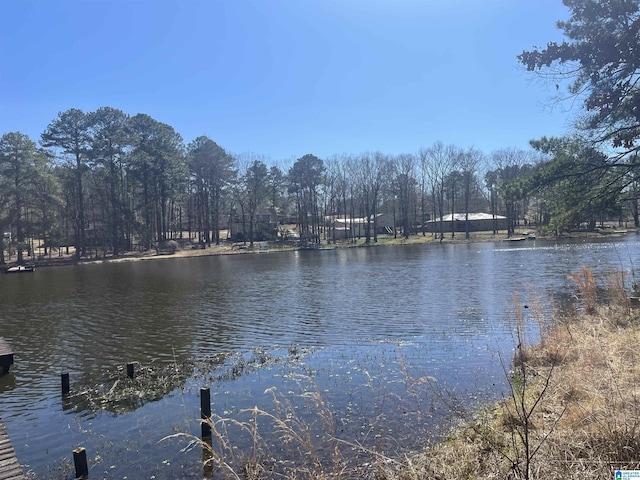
{"x": 205, "y": 411}
{"x": 64, "y": 380}
{"x": 130, "y": 370}
{"x": 207, "y": 457}
{"x": 80, "y": 462}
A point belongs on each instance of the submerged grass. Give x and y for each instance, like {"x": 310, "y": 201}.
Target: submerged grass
{"x": 117, "y": 393}
{"x": 299, "y": 432}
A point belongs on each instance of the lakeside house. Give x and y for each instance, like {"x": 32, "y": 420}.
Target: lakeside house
{"x": 266, "y": 221}
{"x": 478, "y": 222}
{"x": 342, "y": 227}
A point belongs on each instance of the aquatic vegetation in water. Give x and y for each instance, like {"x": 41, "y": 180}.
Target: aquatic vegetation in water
{"x": 117, "y": 393}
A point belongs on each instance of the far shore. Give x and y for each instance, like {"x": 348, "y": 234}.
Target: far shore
{"x": 227, "y": 247}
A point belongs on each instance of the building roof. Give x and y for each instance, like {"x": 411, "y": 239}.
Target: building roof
{"x": 460, "y": 217}
{"x": 348, "y": 220}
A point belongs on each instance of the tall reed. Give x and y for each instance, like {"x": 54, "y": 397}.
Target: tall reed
{"x": 586, "y": 283}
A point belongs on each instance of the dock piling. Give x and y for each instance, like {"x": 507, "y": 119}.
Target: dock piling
{"x": 80, "y": 462}
{"x": 205, "y": 411}
{"x": 207, "y": 457}
{"x": 130, "y": 370}
{"x": 64, "y": 381}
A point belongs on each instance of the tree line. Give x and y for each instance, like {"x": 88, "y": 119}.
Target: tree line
{"x": 107, "y": 182}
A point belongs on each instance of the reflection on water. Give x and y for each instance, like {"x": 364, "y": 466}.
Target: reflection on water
{"x": 445, "y": 305}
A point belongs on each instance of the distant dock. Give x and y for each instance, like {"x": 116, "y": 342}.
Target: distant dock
{"x": 6, "y": 357}
{"x": 9, "y": 466}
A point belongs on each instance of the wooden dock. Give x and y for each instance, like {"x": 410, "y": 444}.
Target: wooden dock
{"x": 6, "y": 357}
{"x": 9, "y": 466}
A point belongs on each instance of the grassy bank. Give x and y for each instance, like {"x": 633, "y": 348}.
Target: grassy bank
{"x": 574, "y": 406}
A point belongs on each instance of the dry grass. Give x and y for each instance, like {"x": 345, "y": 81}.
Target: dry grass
{"x": 306, "y": 445}
{"x": 586, "y": 284}
{"x": 585, "y": 376}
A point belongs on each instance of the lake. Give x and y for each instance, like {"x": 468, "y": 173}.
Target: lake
{"x": 385, "y": 337}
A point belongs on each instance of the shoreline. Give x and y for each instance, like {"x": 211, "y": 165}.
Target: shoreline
{"x": 229, "y": 248}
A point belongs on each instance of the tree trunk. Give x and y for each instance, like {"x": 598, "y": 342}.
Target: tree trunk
{"x": 80, "y": 224}
{"x": 114, "y": 209}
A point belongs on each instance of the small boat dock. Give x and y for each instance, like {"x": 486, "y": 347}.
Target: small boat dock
{"x": 9, "y": 466}
{"x": 6, "y": 357}
{"x": 21, "y": 269}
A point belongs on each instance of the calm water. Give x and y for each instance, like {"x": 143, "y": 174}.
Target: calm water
{"x": 352, "y": 318}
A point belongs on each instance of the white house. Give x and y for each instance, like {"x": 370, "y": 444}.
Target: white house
{"x": 478, "y": 222}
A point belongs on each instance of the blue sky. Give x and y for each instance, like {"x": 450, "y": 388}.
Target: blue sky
{"x": 282, "y": 78}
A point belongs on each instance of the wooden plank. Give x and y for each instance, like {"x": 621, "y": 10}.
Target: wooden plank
{"x": 5, "y": 349}
{"x": 9, "y": 466}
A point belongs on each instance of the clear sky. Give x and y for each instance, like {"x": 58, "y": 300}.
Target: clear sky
{"x": 282, "y": 78}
